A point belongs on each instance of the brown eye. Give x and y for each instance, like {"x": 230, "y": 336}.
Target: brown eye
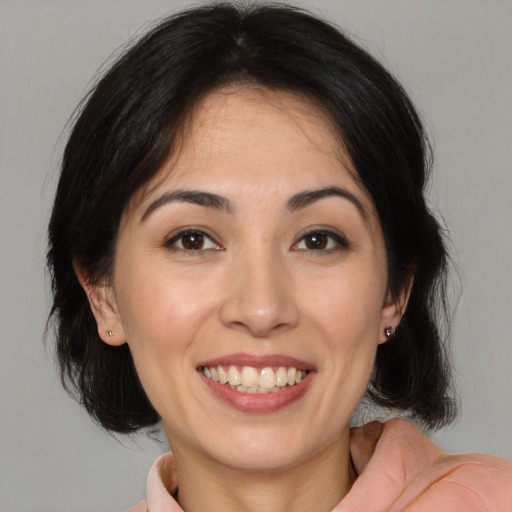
{"x": 321, "y": 241}
{"x": 192, "y": 241}
{"x": 316, "y": 241}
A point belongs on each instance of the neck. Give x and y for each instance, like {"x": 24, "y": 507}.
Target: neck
{"x": 318, "y": 483}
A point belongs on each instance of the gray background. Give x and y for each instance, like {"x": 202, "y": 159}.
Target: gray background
{"x": 453, "y": 56}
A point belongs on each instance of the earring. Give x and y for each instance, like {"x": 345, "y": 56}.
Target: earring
{"x": 389, "y": 332}
{"x": 109, "y": 334}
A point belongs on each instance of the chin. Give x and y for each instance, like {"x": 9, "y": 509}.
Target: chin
{"x": 269, "y": 449}
{"x": 262, "y": 458}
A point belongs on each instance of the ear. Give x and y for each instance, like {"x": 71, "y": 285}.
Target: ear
{"x": 104, "y": 308}
{"x": 393, "y": 310}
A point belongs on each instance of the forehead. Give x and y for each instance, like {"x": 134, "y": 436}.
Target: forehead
{"x": 254, "y": 141}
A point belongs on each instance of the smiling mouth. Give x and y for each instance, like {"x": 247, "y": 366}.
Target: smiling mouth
{"x": 248, "y": 379}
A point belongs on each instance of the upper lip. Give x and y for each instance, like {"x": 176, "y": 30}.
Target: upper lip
{"x": 263, "y": 361}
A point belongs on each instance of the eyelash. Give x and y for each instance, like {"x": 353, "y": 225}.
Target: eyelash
{"x": 336, "y": 240}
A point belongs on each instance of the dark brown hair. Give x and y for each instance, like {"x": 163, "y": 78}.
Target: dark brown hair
{"x": 128, "y": 125}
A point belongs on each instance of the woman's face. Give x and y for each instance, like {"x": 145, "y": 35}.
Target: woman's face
{"x": 254, "y": 248}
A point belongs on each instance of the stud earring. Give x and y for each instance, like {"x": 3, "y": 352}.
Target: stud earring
{"x": 109, "y": 334}
{"x": 389, "y": 332}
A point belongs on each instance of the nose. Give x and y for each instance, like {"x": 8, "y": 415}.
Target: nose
{"x": 261, "y": 299}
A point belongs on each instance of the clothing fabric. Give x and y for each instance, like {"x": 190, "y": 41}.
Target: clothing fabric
{"x": 399, "y": 470}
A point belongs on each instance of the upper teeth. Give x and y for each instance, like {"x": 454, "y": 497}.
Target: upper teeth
{"x": 255, "y": 379}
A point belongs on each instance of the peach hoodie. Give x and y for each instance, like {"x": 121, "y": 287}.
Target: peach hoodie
{"x": 399, "y": 469}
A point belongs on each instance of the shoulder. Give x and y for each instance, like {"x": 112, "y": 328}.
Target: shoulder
{"x": 402, "y": 470}
{"x": 463, "y": 482}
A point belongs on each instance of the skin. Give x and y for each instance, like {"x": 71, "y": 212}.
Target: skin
{"x": 256, "y": 287}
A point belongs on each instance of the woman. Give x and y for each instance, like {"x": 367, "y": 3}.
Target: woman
{"x": 240, "y": 247}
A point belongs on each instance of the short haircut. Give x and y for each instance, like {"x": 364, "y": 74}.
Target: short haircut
{"x": 130, "y": 123}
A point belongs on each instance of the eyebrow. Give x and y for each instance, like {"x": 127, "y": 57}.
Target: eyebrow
{"x": 198, "y": 197}
{"x": 216, "y": 202}
{"x": 308, "y": 197}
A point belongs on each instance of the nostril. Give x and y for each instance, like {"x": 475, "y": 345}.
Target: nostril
{"x": 238, "y": 326}
{"x": 260, "y": 331}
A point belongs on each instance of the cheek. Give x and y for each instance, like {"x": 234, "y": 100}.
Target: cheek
{"x": 349, "y": 318}
{"x": 348, "y": 306}
{"x": 161, "y": 313}
{"x": 158, "y": 315}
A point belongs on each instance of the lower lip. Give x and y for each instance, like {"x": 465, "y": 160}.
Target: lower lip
{"x": 258, "y": 402}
